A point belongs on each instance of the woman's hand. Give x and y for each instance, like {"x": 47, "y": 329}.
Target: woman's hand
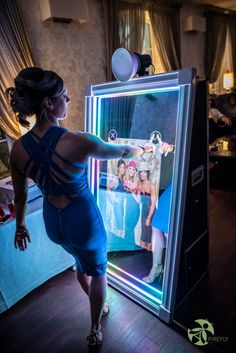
{"x": 21, "y": 238}
{"x": 148, "y": 221}
{"x": 149, "y": 147}
{"x": 226, "y": 121}
{"x": 164, "y": 147}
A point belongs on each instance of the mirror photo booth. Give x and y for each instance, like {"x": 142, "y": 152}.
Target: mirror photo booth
{"x": 154, "y": 206}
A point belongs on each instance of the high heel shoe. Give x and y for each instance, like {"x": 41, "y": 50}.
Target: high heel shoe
{"x": 94, "y": 339}
{"x": 156, "y": 271}
{"x": 105, "y": 309}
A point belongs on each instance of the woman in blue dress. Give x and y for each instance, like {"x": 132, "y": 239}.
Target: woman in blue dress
{"x": 56, "y": 159}
{"x": 147, "y": 191}
{"x": 160, "y": 225}
{"x": 116, "y": 186}
{"x": 132, "y": 196}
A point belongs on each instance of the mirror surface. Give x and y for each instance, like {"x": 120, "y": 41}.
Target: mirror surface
{"x": 134, "y": 195}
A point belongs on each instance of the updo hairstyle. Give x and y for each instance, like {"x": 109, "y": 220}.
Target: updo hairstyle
{"x": 32, "y": 85}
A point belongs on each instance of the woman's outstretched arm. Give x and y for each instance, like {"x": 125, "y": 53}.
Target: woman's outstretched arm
{"x": 99, "y": 149}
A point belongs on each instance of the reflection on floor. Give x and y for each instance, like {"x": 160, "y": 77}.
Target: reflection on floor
{"x": 138, "y": 263}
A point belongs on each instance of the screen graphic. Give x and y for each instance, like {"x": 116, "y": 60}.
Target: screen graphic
{"x": 132, "y": 190}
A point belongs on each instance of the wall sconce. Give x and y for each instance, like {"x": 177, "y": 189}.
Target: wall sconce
{"x": 212, "y": 88}
{"x": 228, "y": 81}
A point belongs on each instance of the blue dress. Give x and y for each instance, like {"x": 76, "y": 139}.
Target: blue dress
{"x": 146, "y": 232}
{"x": 119, "y": 205}
{"x": 161, "y": 215}
{"x": 131, "y": 217}
{"x": 78, "y": 227}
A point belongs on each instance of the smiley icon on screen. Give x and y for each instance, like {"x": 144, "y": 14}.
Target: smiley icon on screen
{"x": 155, "y": 136}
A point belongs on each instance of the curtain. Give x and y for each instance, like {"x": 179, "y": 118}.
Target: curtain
{"x": 165, "y": 22}
{"x": 216, "y": 30}
{"x": 232, "y": 32}
{"x": 124, "y": 27}
{"x": 15, "y": 54}
{"x": 132, "y": 25}
{"x": 110, "y": 9}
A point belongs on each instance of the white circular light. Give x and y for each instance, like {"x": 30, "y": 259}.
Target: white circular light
{"x": 124, "y": 64}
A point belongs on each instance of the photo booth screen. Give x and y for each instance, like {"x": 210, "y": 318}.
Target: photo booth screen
{"x": 129, "y": 189}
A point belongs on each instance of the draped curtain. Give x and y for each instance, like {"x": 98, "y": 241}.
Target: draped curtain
{"x": 216, "y": 30}
{"x": 15, "y": 54}
{"x": 132, "y": 25}
{"x": 165, "y": 22}
{"x": 232, "y": 32}
{"x": 110, "y": 9}
{"x": 124, "y": 27}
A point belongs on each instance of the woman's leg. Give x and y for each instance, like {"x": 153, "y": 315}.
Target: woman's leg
{"x": 84, "y": 281}
{"x": 97, "y": 296}
{"x": 95, "y": 288}
{"x": 158, "y": 244}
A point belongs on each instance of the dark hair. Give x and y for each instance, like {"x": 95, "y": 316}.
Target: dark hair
{"x": 147, "y": 171}
{"x": 32, "y": 85}
{"x": 120, "y": 162}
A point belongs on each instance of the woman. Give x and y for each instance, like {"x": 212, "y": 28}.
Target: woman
{"x": 116, "y": 186}
{"x": 160, "y": 223}
{"x": 56, "y": 159}
{"x": 229, "y": 108}
{"x": 132, "y": 202}
{"x": 219, "y": 124}
{"x": 148, "y": 200}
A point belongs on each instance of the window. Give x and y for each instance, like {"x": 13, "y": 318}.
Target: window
{"x": 149, "y": 45}
{"x": 226, "y": 66}
{"x": 4, "y": 156}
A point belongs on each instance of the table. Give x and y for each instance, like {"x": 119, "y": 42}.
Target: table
{"x": 223, "y": 149}
{"x": 222, "y": 159}
{"x": 21, "y": 272}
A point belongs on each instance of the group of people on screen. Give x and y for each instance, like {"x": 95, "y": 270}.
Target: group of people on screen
{"x": 132, "y": 186}
{"x": 135, "y": 203}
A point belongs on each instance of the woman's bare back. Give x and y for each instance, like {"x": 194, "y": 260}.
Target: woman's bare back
{"x": 71, "y": 146}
